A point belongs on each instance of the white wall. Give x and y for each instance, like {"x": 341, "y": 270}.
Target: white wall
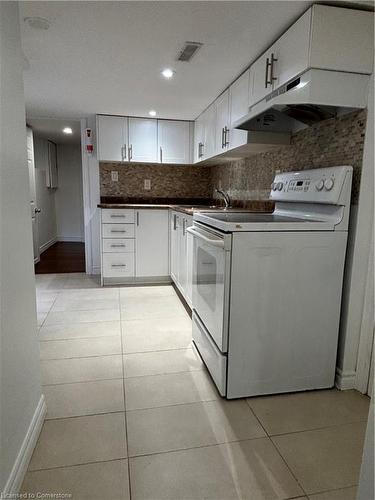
{"x": 21, "y": 403}
{"x": 68, "y": 197}
{"x": 45, "y": 197}
{"x": 358, "y": 254}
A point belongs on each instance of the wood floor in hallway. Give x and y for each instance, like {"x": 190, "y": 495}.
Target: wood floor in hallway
{"x": 62, "y": 257}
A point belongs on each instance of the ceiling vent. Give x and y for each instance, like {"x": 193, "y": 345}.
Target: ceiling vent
{"x": 188, "y": 51}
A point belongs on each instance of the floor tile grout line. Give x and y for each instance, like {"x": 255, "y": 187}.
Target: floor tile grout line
{"x": 310, "y": 495}
{"x": 83, "y": 357}
{"x": 119, "y": 459}
{"x": 318, "y": 428}
{"x": 81, "y": 382}
{"x": 275, "y": 447}
{"x": 107, "y": 412}
{"x": 124, "y": 396}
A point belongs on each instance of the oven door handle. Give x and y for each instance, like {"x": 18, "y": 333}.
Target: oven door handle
{"x": 216, "y": 243}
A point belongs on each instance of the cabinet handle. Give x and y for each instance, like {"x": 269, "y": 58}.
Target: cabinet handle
{"x": 137, "y": 218}
{"x": 161, "y": 155}
{"x": 200, "y": 149}
{"x": 118, "y": 265}
{"x": 273, "y": 60}
{"x": 130, "y": 152}
{"x": 122, "y": 153}
{"x": 174, "y": 222}
{"x": 117, "y": 231}
{"x": 183, "y": 227}
{"x": 222, "y": 138}
{"x": 226, "y": 137}
{"x": 118, "y": 246}
{"x": 268, "y": 65}
{"x": 118, "y": 216}
{"x": 125, "y": 151}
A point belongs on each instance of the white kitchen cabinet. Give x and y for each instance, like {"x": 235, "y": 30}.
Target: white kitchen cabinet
{"x": 198, "y": 138}
{"x": 261, "y": 85}
{"x": 112, "y": 138}
{"x": 239, "y": 106}
{"x": 181, "y": 254}
{"x": 174, "y": 141}
{"x": 205, "y": 134}
{"x": 151, "y": 243}
{"x": 143, "y": 140}
{"x": 222, "y": 123}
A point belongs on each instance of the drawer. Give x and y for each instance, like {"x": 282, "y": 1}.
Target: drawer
{"x": 215, "y": 361}
{"x": 118, "y": 230}
{"x": 118, "y": 215}
{"x": 116, "y": 265}
{"x": 118, "y": 245}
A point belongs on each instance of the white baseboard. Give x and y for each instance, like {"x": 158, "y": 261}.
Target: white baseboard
{"x": 49, "y": 243}
{"x": 21, "y": 463}
{"x": 71, "y": 238}
{"x": 345, "y": 380}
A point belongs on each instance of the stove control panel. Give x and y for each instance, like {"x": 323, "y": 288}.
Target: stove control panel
{"x": 320, "y": 185}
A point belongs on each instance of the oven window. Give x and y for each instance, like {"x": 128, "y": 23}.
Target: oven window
{"x": 206, "y": 277}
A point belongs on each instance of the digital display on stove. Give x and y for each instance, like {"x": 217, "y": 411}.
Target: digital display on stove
{"x": 299, "y": 183}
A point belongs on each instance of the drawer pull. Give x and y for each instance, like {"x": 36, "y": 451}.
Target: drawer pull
{"x": 116, "y": 216}
{"x": 118, "y": 246}
{"x": 118, "y": 265}
{"x": 118, "y": 231}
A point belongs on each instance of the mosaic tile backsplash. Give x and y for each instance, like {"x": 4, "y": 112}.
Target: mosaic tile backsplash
{"x": 337, "y": 141}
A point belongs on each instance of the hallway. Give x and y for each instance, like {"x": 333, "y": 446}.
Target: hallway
{"x": 62, "y": 257}
{"x": 132, "y": 412}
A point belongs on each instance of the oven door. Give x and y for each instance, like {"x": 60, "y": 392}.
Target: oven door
{"x": 211, "y": 281}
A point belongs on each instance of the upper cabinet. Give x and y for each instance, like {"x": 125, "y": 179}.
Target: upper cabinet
{"x": 205, "y": 134}
{"x": 143, "y": 140}
{"x": 325, "y": 37}
{"x": 174, "y": 141}
{"x": 112, "y": 138}
{"x": 222, "y": 123}
{"x": 238, "y": 107}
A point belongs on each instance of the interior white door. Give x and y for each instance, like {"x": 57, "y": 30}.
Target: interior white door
{"x": 112, "y": 138}
{"x": 239, "y": 106}
{"x": 222, "y": 122}
{"x": 33, "y": 203}
{"x": 174, "y": 141}
{"x": 152, "y": 243}
{"x": 143, "y": 140}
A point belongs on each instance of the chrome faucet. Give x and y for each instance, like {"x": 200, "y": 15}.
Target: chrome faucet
{"x": 225, "y": 196}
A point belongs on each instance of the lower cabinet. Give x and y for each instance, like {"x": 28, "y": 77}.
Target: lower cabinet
{"x": 181, "y": 253}
{"x": 136, "y": 251}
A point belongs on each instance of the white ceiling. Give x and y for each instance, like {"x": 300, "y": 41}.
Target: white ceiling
{"x": 106, "y": 57}
{"x": 52, "y": 129}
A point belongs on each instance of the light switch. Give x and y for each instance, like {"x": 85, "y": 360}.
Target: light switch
{"x": 147, "y": 184}
{"x": 114, "y": 175}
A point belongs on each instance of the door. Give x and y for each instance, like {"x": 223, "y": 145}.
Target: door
{"x": 143, "y": 140}
{"x": 174, "y": 141}
{"x": 112, "y": 138}
{"x": 239, "y": 106}
{"x": 198, "y": 138}
{"x": 292, "y": 51}
{"x": 33, "y": 206}
{"x": 211, "y": 277}
{"x": 151, "y": 243}
{"x": 222, "y": 122}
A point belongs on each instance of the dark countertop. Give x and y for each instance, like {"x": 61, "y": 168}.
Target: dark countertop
{"x": 185, "y": 205}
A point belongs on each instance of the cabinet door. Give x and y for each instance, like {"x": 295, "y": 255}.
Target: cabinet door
{"x": 261, "y": 86}
{"x": 112, "y": 138}
{"x": 174, "y": 248}
{"x": 292, "y": 51}
{"x": 209, "y": 143}
{"x": 143, "y": 140}
{"x": 151, "y": 243}
{"x": 198, "y": 138}
{"x": 239, "y": 106}
{"x": 174, "y": 141}
{"x": 222, "y": 122}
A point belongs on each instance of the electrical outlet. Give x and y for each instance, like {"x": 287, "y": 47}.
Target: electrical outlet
{"x": 114, "y": 176}
{"x": 147, "y": 184}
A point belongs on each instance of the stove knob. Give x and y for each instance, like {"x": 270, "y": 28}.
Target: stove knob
{"x": 328, "y": 184}
{"x": 319, "y": 185}
{"x": 280, "y": 186}
{"x": 273, "y": 186}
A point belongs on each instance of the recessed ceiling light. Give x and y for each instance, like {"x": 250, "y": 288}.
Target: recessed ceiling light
{"x": 67, "y": 130}
{"x": 167, "y": 73}
{"x": 152, "y": 112}
{"x": 37, "y": 23}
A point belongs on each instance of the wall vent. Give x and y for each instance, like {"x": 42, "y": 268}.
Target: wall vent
{"x": 188, "y": 51}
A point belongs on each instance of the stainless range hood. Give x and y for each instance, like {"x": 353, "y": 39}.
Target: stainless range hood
{"x": 311, "y": 97}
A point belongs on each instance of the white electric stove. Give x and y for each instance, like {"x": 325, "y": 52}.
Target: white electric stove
{"x": 267, "y": 287}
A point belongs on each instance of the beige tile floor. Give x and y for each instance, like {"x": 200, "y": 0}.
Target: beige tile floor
{"x": 132, "y": 412}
